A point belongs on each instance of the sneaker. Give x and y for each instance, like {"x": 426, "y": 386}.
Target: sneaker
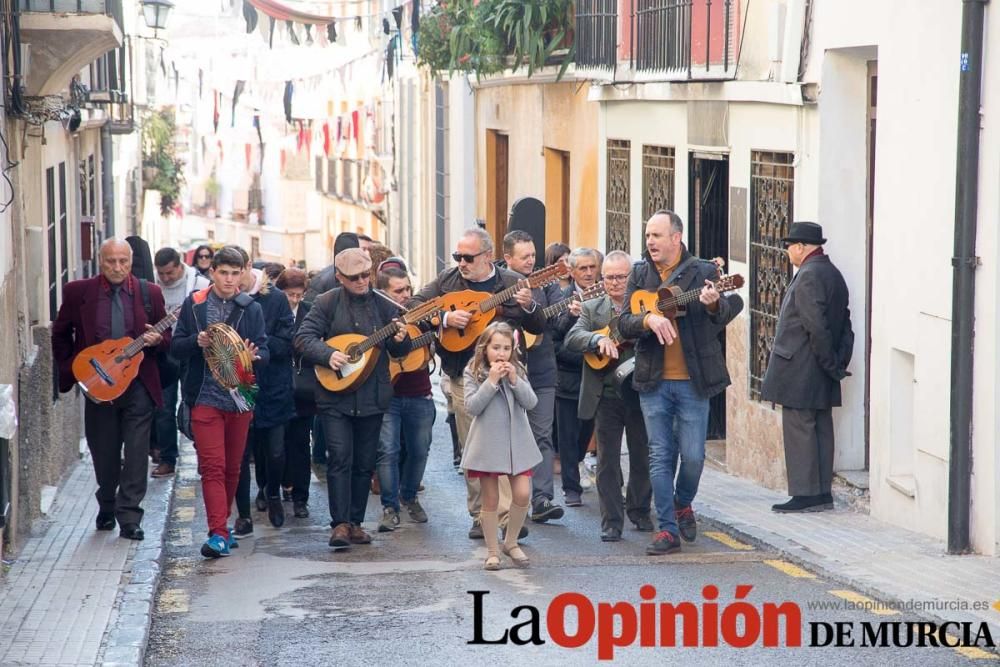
{"x": 687, "y": 523}
{"x": 215, "y": 547}
{"x": 804, "y": 504}
{"x": 359, "y": 536}
{"x": 341, "y": 537}
{"x": 585, "y": 481}
{"x": 611, "y": 535}
{"x": 300, "y": 509}
{"x": 476, "y": 532}
{"x": 243, "y": 527}
{"x": 261, "y": 502}
{"x": 275, "y": 512}
{"x": 543, "y": 510}
{"x": 231, "y": 541}
{"x": 663, "y": 543}
{"x": 415, "y": 510}
{"x": 286, "y": 494}
{"x": 389, "y": 520}
{"x": 573, "y": 498}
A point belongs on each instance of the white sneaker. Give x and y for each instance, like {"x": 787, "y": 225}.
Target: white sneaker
{"x": 585, "y": 481}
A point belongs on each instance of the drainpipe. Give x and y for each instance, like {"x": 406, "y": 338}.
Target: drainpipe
{"x": 964, "y": 262}
{"x": 108, "y": 181}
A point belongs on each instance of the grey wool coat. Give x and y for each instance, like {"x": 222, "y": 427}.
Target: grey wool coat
{"x": 500, "y": 438}
{"x": 814, "y": 341}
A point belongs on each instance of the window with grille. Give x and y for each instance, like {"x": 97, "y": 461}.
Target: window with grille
{"x": 657, "y": 181}
{"x": 618, "y": 195}
{"x": 319, "y": 174}
{"x": 772, "y": 182}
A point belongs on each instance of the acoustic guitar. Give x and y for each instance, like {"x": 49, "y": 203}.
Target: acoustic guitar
{"x": 599, "y": 361}
{"x": 418, "y": 358}
{"x": 593, "y": 292}
{"x": 671, "y": 302}
{"x": 105, "y": 370}
{"x": 483, "y": 305}
{"x": 363, "y": 350}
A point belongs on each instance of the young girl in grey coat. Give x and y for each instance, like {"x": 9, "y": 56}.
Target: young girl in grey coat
{"x": 500, "y": 442}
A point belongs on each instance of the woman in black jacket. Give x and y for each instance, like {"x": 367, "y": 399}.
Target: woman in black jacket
{"x": 293, "y": 283}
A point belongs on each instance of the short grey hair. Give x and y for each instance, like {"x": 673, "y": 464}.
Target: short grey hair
{"x": 485, "y": 240}
{"x": 113, "y": 241}
{"x": 619, "y": 255}
{"x": 676, "y": 224}
{"x": 579, "y": 253}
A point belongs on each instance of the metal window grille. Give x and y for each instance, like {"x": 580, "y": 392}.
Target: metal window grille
{"x": 50, "y": 233}
{"x": 332, "y": 182}
{"x": 596, "y": 33}
{"x": 685, "y": 37}
{"x": 657, "y": 181}
{"x": 618, "y": 195}
{"x": 319, "y": 174}
{"x": 772, "y": 182}
{"x": 441, "y": 194}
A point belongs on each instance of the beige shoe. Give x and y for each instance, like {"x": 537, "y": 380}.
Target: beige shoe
{"x": 517, "y": 555}
{"x": 492, "y": 563}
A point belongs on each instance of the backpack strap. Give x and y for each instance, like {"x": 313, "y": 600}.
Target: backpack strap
{"x": 144, "y": 289}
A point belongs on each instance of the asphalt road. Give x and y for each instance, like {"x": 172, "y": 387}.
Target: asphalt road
{"x": 285, "y": 598}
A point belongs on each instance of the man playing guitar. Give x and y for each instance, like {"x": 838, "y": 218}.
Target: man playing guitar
{"x": 352, "y": 419}
{"x": 109, "y": 307}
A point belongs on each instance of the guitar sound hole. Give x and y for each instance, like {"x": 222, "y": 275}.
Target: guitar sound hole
{"x": 352, "y": 353}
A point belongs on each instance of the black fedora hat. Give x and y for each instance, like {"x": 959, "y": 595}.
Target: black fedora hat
{"x": 805, "y": 232}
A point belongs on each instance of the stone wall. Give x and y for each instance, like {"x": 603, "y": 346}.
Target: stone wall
{"x": 753, "y": 429}
{"x": 50, "y": 429}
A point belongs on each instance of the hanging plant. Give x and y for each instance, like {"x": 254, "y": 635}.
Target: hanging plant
{"x": 162, "y": 169}
{"x": 488, "y": 36}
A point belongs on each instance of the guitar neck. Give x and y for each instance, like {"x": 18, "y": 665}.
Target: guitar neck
{"x": 683, "y": 298}
{"x": 562, "y": 306}
{"x": 424, "y": 339}
{"x": 378, "y": 337}
{"x": 500, "y": 297}
{"x": 136, "y": 346}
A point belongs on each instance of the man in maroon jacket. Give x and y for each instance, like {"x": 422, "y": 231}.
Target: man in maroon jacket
{"x": 107, "y": 307}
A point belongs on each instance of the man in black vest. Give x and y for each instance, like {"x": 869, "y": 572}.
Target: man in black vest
{"x": 812, "y": 348}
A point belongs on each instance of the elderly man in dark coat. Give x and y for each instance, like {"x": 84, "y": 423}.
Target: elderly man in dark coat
{"x": 811, "y": 351}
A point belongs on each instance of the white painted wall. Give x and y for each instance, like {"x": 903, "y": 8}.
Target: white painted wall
{"x": 461, "y": 160}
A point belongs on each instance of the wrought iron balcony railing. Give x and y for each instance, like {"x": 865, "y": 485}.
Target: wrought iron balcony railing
{"x": 669, "y": 39}
{"x": 596, "y": 34}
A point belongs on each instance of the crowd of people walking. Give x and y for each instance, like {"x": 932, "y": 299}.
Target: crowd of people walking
{"x": 269, "y": 370}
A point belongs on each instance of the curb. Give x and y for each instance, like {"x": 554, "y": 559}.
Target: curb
{"x": 128, "y": 632}
{"x": 816, "y": 563}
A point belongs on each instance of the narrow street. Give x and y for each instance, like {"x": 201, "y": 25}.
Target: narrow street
{"x": 285, "y": 598}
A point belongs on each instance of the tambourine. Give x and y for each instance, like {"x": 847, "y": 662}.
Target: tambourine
{"x": 231, "y": 364}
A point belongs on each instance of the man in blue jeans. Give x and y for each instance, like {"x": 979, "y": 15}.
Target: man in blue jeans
{"x": 411, "y": 411}
{"x": 680, "y": 365}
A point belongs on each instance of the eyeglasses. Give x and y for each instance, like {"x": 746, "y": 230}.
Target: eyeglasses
{"x": 364, "y": 275}
{"x": 203, "y": 256}
{"x": 609, "y": 277}
{"x": 468, "y": 259}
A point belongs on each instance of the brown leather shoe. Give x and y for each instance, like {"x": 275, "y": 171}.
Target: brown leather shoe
{"x": 359, "y": 536}
{"x": 341, "y": 536}
{"x": 163, "y": 470}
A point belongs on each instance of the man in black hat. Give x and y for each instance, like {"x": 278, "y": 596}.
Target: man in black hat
{"x": 812, "y": 348}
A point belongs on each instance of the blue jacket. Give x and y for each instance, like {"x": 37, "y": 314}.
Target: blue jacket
{"x": 276, "y": 400}
{"x": 184, "y": 345}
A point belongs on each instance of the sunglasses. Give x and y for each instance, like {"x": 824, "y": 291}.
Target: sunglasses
{"x": 203, "y": 256}
{"x": 364, "y": 275}
{"x": 468, "y": 259}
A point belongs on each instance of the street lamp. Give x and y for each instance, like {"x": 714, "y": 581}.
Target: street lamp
{"x": 155, "y": 12}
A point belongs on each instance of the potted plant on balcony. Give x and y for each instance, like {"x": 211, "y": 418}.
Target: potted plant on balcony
{"x": 536, "y": 29}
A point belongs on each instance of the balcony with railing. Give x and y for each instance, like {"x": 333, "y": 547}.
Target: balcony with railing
{"x": 657, "y": 40}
